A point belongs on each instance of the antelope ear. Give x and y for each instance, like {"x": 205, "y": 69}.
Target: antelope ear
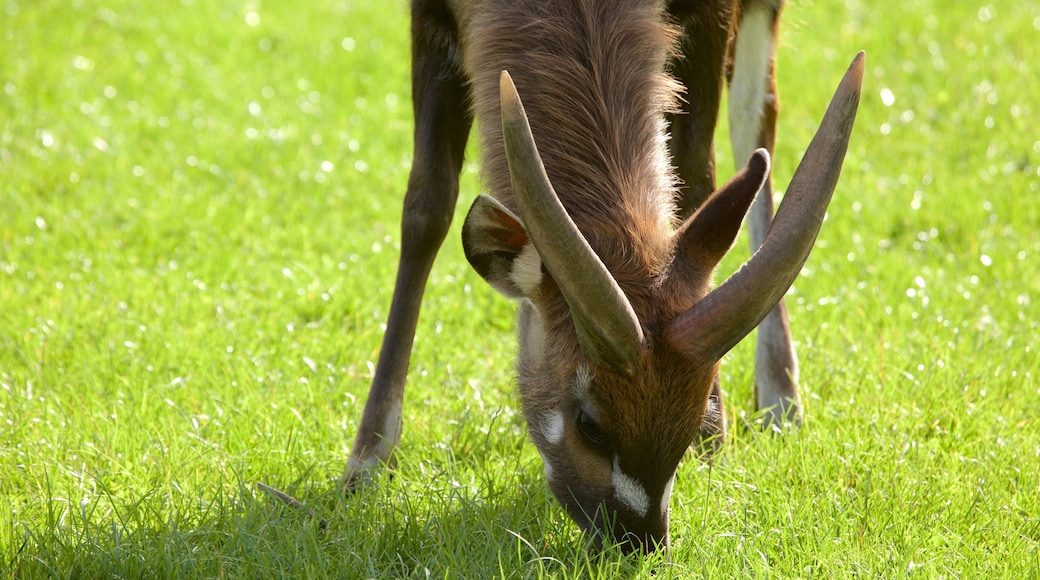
{"x": 708, "y": 234}
{"x": 498, "y": 247}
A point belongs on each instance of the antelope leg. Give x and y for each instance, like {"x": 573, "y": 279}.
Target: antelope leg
{"x": 753, "y": 109}
{"x": 442, "y": 124}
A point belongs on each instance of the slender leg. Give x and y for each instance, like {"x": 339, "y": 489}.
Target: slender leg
{"x": 442, "y": 124}
{"x": 700, "y": 68}
{"x": 752, "y": 114}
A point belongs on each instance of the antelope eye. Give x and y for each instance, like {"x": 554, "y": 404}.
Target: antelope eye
{"x": 589, "y": 429}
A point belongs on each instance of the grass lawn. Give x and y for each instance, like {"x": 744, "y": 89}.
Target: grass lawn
{"x": 199, "y": 208}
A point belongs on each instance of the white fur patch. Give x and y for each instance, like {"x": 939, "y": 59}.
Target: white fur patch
{"x": 548, "y": 469}
{"x": 667, "y": 495}
{"x": 582, "y": 381}
{"x": 629, "y": 491}
{"x": 531, "y": 335}
{"x": 527, "y": 270}
{"x": 552, "y": 428}
{"x": 747, "y": 93}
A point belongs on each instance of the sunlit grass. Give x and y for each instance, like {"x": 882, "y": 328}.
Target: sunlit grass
{"x": 199, "y": 206}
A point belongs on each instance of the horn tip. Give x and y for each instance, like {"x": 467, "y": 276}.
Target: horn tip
{"x": 512, "y": 108}
{"x": 856, "y": 67}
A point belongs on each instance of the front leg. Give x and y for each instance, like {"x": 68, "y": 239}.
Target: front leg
{"x": 699, "y": 66}
{"x": 442, "y": 125}
{"x": 752, "y": 114}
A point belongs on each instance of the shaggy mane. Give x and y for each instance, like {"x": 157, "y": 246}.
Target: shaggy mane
{"x": 591, "y": 74}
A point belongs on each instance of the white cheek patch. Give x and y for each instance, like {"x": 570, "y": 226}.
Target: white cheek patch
{"x": 527, "y": 270}
{"x": 552, "y": 427}
{"x": 667, "y": 495}
{"x": 548, "y": 469}
{"x": 629, "y": 491}
{"x": 547, "y": 465}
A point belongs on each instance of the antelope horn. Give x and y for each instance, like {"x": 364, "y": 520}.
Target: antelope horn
{"x": 712, "y": 326}
{"x": 608, "y": 330}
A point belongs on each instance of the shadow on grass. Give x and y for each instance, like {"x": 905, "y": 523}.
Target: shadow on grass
{"x": 434, "y": 527}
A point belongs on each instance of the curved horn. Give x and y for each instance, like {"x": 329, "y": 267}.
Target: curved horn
{"x": 712, "y": 326}
{"x": 608, "y": 329}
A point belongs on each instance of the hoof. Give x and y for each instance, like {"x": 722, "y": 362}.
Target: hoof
{"x": 363, "y": 472}
{"x": 781, "y": 416}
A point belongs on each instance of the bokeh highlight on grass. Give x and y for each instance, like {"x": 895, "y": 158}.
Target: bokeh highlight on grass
{"x": 199, "y": 207}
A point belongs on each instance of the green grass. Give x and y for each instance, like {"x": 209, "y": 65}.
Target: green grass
{"x": 199, "y": 207}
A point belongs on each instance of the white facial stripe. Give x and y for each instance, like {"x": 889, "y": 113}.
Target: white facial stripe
{"x": 667, "y": 495}
{"x": 629, "y": 491}
{"x": 527, "y": 270}
{"x": 552, "y": 427}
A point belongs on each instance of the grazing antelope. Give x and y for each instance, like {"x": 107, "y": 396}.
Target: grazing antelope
{"x": 604, "y": 223}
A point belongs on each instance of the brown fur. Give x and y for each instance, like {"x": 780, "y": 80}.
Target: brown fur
{"x": 604, "y": 84}
{"x": 618, "y": 364}
{"x": 592, "y": 77}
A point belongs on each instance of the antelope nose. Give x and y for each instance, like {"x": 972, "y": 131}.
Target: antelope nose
{"x": 646, "y": 538}
{"x": 632, "y": 543}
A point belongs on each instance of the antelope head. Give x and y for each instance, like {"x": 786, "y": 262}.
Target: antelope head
{"x": 617, "y": 377}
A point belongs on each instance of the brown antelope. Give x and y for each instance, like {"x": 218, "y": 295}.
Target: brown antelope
{"x": 608, "y": 230}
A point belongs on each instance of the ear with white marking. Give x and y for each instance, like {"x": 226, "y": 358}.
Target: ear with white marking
{"x": 497, "y": 246}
